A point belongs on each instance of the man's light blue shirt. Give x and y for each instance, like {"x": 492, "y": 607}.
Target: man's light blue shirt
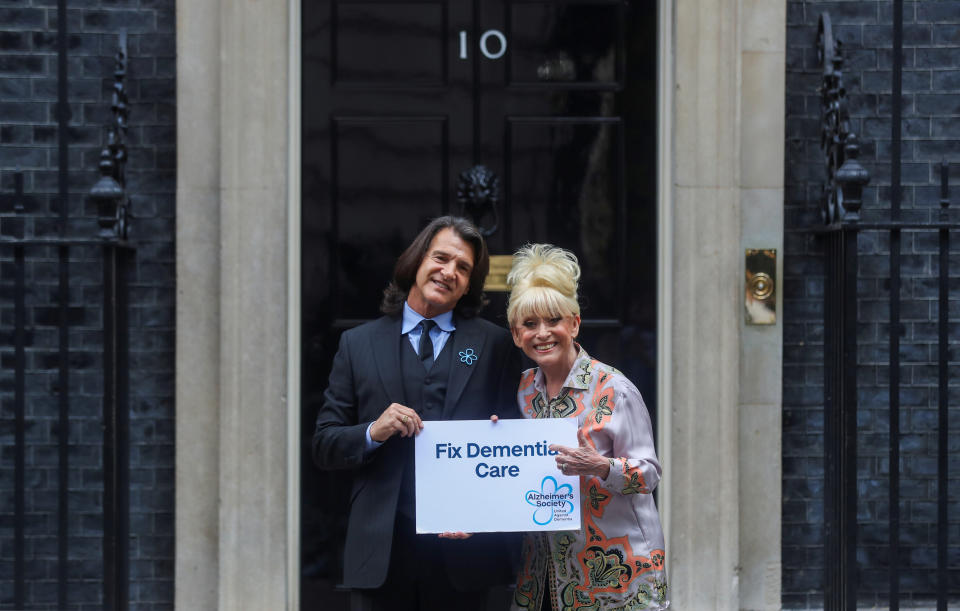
{"x": 439, "y": 334}
{"x": 410, "y": 326}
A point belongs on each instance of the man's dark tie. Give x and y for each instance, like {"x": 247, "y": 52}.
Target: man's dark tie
{"x": 426, "y": 344}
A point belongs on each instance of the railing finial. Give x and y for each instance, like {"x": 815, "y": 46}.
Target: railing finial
{"x": 851, "y": 178}
{"x": 109, "y": 192}
{"x": 846, "y": 177}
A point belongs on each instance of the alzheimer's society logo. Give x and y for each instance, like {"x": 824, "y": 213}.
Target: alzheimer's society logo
{"x": 554, "y": 503}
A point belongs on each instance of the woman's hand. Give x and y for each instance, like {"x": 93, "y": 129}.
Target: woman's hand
{"x": 583, "y": 460}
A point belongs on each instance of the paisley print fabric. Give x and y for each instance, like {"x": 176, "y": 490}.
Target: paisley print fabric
{"x": 616, "y": 560}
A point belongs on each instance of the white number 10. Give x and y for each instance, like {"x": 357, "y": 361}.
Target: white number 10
{"x": 484, "y": 41}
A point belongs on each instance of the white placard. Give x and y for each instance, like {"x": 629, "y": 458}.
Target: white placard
{"x": 479, "y": 476}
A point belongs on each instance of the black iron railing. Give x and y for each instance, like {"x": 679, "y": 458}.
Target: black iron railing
{"x": 841, "y": 230}
{"x": 33, "y": 309}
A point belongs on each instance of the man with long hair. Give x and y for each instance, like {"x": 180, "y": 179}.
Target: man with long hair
{"x": 428, "y": 358}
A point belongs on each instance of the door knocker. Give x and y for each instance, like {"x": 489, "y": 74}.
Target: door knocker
{"x": 478, "y": 191}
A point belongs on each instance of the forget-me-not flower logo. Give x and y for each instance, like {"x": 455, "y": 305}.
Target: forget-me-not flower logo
{"x": 550, "y": 498}
{"x": 468, "y": 356}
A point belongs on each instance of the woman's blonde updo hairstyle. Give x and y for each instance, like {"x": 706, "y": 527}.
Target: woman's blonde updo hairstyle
{"x": 543, "y": 282}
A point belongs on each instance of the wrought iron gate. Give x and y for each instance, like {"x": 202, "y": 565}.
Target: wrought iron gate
{"x": 844, "y": 233}
{"x": 58, "y": 284}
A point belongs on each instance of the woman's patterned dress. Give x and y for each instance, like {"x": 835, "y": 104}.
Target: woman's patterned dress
{"x": 616, "y": 561}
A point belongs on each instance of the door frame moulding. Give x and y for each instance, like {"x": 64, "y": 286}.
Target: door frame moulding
{"x": 294, "y": 313}
{"x": 665, "y": 70}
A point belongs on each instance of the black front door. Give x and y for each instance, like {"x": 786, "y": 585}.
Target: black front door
{"x": 556, "y": 99}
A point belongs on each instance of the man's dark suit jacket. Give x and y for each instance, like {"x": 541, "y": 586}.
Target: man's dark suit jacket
{"x": 365, "y": 379}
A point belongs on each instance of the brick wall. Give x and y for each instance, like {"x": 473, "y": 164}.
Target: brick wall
{"x": 28, "y": 141}
{"x": 931, "y": 132}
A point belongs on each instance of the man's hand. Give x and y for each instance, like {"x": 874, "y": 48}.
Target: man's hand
{"x": 396, "y": 420}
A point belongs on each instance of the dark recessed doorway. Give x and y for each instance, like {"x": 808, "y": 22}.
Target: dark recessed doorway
{"x": 557, "y": 99}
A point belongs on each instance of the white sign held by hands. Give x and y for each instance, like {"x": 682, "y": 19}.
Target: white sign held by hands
{"x": 480, "y": 476}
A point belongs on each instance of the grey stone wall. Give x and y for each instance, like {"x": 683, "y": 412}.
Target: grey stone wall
{"x": 28, "y": 142}
{"x": 931, "y": 132}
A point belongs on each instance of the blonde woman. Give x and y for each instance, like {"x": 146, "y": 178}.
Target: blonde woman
{"x": 616, "y": 561}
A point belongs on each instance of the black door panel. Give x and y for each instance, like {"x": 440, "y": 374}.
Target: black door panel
{"x": 398, "y": 99}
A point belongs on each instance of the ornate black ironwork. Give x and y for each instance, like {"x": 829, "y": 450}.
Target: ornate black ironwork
{"x": 846, "y": 177}
{"x": 109, "y": 193}
{"x": 478, "y": 191}
{"x": 110, "y": 196}
{"x": 851, "y": 178}
{"x": 840, "y": 211}
{"x": 840, "y": 207}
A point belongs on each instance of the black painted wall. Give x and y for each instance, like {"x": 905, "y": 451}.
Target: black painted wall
{"x": 28, "y": 141}
{"x": 931, "y": 132}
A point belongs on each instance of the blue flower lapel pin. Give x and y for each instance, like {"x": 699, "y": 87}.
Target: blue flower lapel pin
{"x": 468, "y": 356}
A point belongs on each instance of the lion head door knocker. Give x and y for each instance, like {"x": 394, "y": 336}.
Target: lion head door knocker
{"x": 478, "y": 191}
